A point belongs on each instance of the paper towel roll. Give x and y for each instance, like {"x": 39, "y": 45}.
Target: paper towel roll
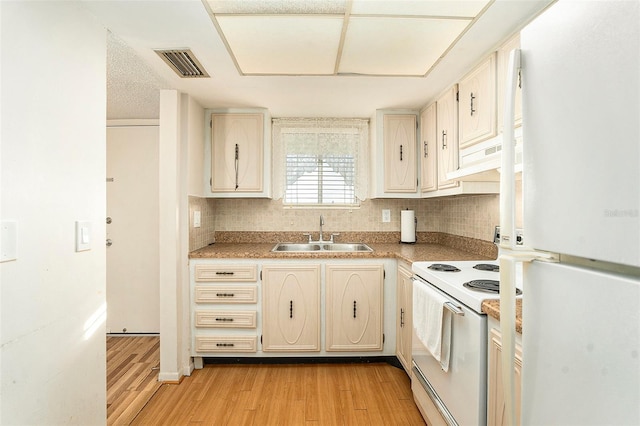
{"x": 407, "y": 226}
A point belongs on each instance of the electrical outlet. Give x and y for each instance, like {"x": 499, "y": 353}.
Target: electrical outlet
{"x": 386, "y": 215}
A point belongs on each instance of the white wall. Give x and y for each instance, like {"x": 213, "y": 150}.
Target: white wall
{"x": 52, "y": 144}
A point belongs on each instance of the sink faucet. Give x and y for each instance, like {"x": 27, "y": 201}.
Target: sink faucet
{"x": 321, "y": 238}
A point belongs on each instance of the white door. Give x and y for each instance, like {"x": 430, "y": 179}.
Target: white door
{"x": 133, "y": 294}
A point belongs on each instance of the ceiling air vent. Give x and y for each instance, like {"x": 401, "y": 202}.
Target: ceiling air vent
{"x": 183, "y": 62}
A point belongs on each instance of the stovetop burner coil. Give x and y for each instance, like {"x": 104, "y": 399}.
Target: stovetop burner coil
{"x": 487, "y": 286}
{"x": 443, "y": 267}
{"x": 487, "y": 267}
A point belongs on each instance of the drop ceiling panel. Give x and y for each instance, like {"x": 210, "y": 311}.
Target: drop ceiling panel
{"x": 286, "y": 44}
{"x": 419, "y": 7}
{"x": 397, "y": 46}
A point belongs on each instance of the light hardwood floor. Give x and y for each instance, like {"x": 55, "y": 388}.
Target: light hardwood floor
{"x": 132, "y": 376}
{"x": 282, "y": 394}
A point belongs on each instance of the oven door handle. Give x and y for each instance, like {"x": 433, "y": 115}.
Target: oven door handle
{"x": 455, "y": 310}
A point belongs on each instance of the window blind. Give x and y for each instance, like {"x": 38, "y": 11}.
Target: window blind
{"x": 317, "y": 161}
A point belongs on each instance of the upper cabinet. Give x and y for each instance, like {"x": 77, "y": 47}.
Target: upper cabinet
{"x": 447, "y": 137}
{"x": 477, "y": 103}
{"x": 394, "y": 162}
{"x": 400, "y": 153}
{"x": 239, "y": 166}
{"x": 428, "y": 149}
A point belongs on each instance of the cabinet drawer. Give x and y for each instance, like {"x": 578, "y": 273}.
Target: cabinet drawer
{"x": 226, "y": 319}
{"x": 227, "y": 344}
{"x": 226, "y": 273}
{"x": 226, "y": 294}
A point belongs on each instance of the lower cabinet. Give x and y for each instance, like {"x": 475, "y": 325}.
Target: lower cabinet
{"x": 309, "y": 307}
{"x": 291, "y": 303}
{"x": 354, "y": 307}
{"x": 404, "y": 312}
{"x": 495, "y": 394}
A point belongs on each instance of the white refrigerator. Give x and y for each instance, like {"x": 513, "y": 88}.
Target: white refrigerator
{"x": 580, "y": 72}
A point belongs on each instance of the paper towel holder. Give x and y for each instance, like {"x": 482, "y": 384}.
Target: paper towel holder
{"x": 415, "y": 231}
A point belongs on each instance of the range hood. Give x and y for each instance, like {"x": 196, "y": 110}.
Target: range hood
{"x": 481, "y": 162}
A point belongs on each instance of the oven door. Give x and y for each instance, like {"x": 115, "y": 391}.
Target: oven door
{"x": 461, "y": 393}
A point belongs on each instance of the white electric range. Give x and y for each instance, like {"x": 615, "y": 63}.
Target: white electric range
{"x": 459, "y": 394}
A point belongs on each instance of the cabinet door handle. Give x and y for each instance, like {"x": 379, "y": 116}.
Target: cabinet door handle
{"x": 426, "y": 149}
{"x": 444, "y": 142}
{"x": 290, "y": 308}
{"x": 237, "y": 163}
{"x": 472, "y": 107}
{"x": 401, "y": 317}
{"x": 354, "y": 308}
{"x": 400, "y": 152}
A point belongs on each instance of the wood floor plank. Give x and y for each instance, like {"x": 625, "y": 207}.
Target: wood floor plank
{"x": 237, "y": 394}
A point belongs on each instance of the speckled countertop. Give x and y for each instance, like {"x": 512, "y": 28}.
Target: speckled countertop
{"x": 492, "y": 308}
{"x": 430, "y": 246}
{"x": 407, "y": 252}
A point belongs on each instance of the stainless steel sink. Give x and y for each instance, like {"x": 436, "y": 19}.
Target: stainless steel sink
{"x": 346, "y": 247}
{"x": 315, "y": 247}
{"x": 296, "y": 247}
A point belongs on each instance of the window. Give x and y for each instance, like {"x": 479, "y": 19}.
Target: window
{"x": 320, "y": 161}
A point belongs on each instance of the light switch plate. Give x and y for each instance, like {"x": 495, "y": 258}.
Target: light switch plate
{"x": 196, "y": 218}
{"x": 83, "y": 235}
{"x": 8, "y": 240}
{"x": 386, "y": 215}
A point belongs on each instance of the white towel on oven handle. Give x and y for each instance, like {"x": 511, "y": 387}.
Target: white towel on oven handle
{"x": 432, "y": 322}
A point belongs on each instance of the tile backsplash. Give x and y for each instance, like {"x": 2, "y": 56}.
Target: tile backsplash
{"x": 467, "y": 216}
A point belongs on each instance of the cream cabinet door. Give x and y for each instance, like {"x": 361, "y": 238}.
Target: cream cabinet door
{"x": 447, "y": 137}
{"x": 400, "y": 174}
{"x": 428, "y": 150}
{"x": 477, "y": 103}
{"x": 237, "y": 152}
{"x": 404, "y": 312}
{"x": 495, "y": 397}
{"x": 291, "y": 308}
{"x": 354, "y": 307}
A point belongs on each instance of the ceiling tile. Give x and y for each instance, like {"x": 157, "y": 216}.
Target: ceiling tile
{"x": 278, "y": 6}
{"x": 396, "y": 46}
{"x": 290, "y": 44}
{"x": 468, "y": 8}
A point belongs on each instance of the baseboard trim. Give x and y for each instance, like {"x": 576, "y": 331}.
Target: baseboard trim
{"x": 391, "y": 360}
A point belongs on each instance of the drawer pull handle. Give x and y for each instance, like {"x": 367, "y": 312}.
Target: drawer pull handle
{"x": 225, "y": 294}
{"x": 224, "y": 273}
{"x": 225, "y": 345}
{"x": 224, "y": 319}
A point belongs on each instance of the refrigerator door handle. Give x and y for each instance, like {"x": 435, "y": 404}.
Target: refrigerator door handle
{"x": 508, "y": 175}
{"x": 508, "y": 261}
